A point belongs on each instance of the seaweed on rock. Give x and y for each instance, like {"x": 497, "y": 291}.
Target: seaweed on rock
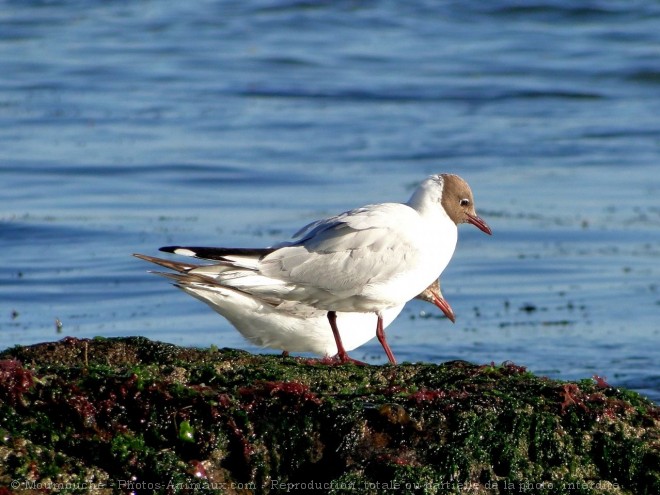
{"x": 129, "y": 414}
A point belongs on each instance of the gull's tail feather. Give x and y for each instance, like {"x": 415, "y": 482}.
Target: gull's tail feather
{"x": 189, "y": 279}
{"x": 222, "y": 275}
{"x": 172, "y": 265}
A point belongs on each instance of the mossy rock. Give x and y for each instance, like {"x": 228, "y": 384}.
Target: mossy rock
{"x": 129, "y": 414}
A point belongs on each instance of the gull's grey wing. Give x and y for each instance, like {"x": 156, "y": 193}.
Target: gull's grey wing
{"x": 347, "y": 251}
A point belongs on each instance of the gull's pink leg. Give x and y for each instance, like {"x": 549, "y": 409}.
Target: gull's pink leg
{"x": 342, "y": 355}
{"x": 380, "y": 333}
{"x": 341, "y": 352}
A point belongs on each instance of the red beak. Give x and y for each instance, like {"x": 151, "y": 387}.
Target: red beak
{"x": 479, "y": 223}
{"x": 445, "y": 307}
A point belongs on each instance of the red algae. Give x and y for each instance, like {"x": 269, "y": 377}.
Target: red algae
{"x": 159, "y": 415}
{"x": 15, "y": 381}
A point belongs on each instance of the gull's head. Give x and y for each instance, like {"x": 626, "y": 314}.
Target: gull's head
{"x": 458, "y": 202}
{"x": 433, "y": 295}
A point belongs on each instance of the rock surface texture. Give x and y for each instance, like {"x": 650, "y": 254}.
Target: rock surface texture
{"x": 132, "y": 415}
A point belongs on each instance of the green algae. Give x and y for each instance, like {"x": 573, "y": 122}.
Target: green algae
{"x": 130, "y": 414}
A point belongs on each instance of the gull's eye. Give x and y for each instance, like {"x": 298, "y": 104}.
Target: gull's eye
{"x": 465, "y": 202}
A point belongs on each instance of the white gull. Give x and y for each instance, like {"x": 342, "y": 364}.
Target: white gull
{"x": 287, "y": 326}
{"x": 365, "y": 260}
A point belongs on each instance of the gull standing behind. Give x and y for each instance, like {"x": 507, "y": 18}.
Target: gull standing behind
{"x": 290, "y": 327}
{"x": 365, "y": 260}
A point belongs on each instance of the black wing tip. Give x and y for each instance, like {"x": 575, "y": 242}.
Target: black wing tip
{"x": 169, "y": 249}
{"x": 216, "y": 253}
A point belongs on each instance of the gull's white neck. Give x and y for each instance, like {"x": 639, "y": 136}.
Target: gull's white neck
{"x": 428, "y": 196}
{"x": 440, "y": 231}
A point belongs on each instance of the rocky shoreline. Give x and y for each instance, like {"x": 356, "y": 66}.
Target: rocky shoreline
{"x": 133, "y": 415}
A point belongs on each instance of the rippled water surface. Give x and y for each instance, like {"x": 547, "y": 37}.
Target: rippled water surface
{"x": 125, "y": 126}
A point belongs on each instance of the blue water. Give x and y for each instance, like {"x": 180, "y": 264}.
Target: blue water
{"x": 125, "y": 126}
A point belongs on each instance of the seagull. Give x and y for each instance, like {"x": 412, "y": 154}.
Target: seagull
{"x": 365, "y": 260}
{"x": 287, "y": 326}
